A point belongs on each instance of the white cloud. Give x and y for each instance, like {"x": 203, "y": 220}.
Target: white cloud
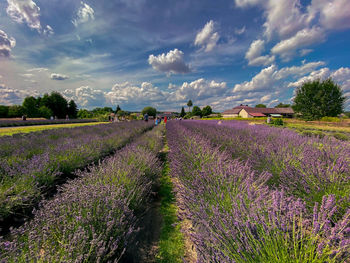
{"x": 172, "y": 62}
{"x": 286, "y": 48}
{"x": 262, "y": 81}
{"x": 6, "y": 44}
{"x": 207, "y": 38}
{"x": 333, "y": 14}
{"x": 26, "y": 11}
{"x": 9, "y": 96}
{"x": 265, "y": 98}
{"x": 305, "y": 51}
{"x": 240, "y": 31}
{"x": 56, "y": 76}
{"x": 298, "y": 71}
{"x": 86, "y": 96}
{"x": 199, "y": 89}
{"x": 322, "y": 73}
{"x": 254, "y": 56}
{"x": 245, "y": 3}
{"x": 84, "y": 14}
{"x": 342, "y": 74}
{"x": 27, "y": 75}
{"x": 37, "y": 69}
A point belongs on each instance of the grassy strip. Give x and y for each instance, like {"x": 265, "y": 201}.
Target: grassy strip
{"x": 13, "y": 130}
{"x": 171, "y": 243}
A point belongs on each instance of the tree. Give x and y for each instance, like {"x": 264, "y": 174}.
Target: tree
{"x": 31, "y": 107}
{"x": 84, "y": 114}
{"x": 57, "y": 103}
{"x": 117, "y": 109}
{"x": 150, "y": 111}
{"x": 4, "y": 110}
{"x": 183, "y": 113}
{"x": 45, "y": 112}
{"x": 281, "y": 105}
{"x": 206, "y": 111}
{"x": 189, "y": 104}
{"x": 196, "y": 111}
{"x": 72, "y": 109}
{"x": 15, "y": 111}
{"x": 317, "y": 99}
{"x": 260, "y": 106}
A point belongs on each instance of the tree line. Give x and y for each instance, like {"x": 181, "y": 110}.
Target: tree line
{"x": 50, "y": 105}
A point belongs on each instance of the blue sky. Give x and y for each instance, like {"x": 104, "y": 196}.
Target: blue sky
{"x": 163, "y": 53}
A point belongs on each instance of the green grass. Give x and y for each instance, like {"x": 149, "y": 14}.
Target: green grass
{"x": 171, "y": 243}
{"x": 14, "y": 130}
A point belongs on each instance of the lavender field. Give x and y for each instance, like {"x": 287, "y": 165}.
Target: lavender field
{"x": 248, "y": 193}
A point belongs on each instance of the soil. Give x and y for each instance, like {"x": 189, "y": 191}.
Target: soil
{"x": 145, "y": 245}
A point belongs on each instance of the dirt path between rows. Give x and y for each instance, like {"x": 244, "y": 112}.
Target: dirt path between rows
{"x": 145, "y": 246}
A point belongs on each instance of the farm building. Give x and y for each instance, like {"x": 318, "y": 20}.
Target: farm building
{"x": 245, "y": 111}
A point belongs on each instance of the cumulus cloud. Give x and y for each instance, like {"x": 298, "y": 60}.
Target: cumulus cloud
{"x": 254, "y": 56}
{"x": 322, "y": 73}
{"x": 207, "y": 38}
{"x": 86, "y": 96}
{"x": 37, "y": 69}
{"x": 56, "y": 76}
{"x": 305, "y": 37}
{"x": 332, "y": 14}
{"x": 245, "y": 3}
{"x": 84, "y": 14}
{"x": 199, "y": 89}
{"x": 48, "y": 31}
{"x": 240, "y": 31}
{"x": 298, "y": 70}
{"x": 9, "y": 96}
{"x": 26, "y": 11}
{"x": 172, "y": 62}
{"x": 6, "y": 44}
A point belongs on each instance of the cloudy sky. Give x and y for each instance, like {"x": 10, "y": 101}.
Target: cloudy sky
{"x": 162, "y": 53}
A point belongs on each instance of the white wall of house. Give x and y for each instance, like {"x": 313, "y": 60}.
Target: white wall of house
{"x": 230, "y": 115}
{"x": 244, "y": 114}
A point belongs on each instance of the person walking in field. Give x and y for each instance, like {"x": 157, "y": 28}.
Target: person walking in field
{"x": 145, "y": 117}
{"x": 165, "y": 119}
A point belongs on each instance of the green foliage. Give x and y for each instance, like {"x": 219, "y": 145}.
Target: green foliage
{"x": 188, "y": 115}
{"x": 15, "y": 111}
{"x": 341, "y": 136}
{"x": 72, "y": 109}
{"x": 196, "y": 111}
{"x": 330, "y": 119}
{"x": 277, "y": 122}
{"x": 84, "y": 114}
{"x": 150, "y": 111}
{"x": 206, "y": 111}
{"x": 31, "y": 107}
{"x": 4, "y": 110}
{"x": 57, "y": 103}
{"x": 183, "y": 113}
{"x": 260, "y": 106}
{"x": 117, "y": 109}
{"x": 317, "y": 99}
{"x": 189, "y": 104}
{"x": 281, "y": 105}
{"x": 45, "y": 112}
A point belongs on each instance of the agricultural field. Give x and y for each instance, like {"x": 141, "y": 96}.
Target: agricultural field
{"x": 190, "y": 191}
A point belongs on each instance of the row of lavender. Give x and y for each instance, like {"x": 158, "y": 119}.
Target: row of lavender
{"x": 15, "y": 122}
{"x": 237, "y": 216}
{"x": 308, "y": 168}
{"x": 32, "y": 163}
{"x": 94, "y": 217}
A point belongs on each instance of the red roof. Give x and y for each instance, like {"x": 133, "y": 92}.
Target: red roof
{"x": 257, "y": 114}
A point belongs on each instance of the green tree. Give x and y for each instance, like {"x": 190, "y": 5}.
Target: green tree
{"x": 15, "y": 111}
{"x": 150, "y": 111}
{"x": 317, "y": 99}
{"x": 57, "y": 103}
{"x": 206, "y": 111}
{"x": 117, "y": 109}
{"x": 45, "y": 112}
{"x": 281, "y": 105}
{"x": 196, "y": 111}
{"x": 189, "y": 104}
{"x": 4, "y": 110}
{"x": 72, "y": 109}
{"x": 183, "y": 113}
{"x": 260, "y": 106}
{"x": 84, "y": 114}
{"x": 31, "y": 107}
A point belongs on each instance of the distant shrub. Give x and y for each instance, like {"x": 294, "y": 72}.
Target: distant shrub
{"x": 341, "y": 136}
{"x": 330, "y": 119}
{"x": 277, "y": 122}
{"x": 307, "y": 133}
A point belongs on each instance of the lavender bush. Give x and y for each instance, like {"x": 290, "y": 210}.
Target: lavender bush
{"x": 30, "y": 164}
{"x": 236, "y": 217}
{"x": 94, "y": 217}
{"x": 305, "y": 167}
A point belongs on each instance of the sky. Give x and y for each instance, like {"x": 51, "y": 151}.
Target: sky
{"x": 162, "y": 53}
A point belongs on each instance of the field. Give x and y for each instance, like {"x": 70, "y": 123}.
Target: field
{"x": 187, "y": 191}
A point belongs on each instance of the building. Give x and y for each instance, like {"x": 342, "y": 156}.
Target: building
{"x": 245, "y": 111}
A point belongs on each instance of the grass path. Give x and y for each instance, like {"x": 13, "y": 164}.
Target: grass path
{"x": 35, "y": 128}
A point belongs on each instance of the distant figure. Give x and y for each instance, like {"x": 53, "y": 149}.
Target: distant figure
{"x": 165, "y": 119}
{"x": 24, "y": 118}
{"x": 219, "y": 122}
{"x": 268, "y": 119}
{"x": 55, "y": 117}
{"x": 67, "y": 117}
{"x": 51, "y": 118}
{"x": 145, "y": 117}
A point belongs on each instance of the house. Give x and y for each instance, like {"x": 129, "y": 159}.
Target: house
{"x": 167, "y": 114}
{"x": 245, "y": 111}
